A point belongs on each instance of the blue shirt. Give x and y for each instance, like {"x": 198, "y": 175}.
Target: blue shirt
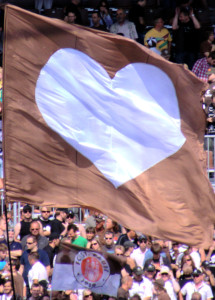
{"x": 43, "y": 257}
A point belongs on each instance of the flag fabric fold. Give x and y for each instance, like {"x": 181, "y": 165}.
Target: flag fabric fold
{"x": 97, "y": 120}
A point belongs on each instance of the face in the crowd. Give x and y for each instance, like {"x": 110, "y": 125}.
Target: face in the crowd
{"x": 35, "y": 229}
{"x": 30, "y": 243}
{"x": 132, "y": 234}
{"x": 165, "y": 276}
{"x": 120, "y": 16}
{"x": 95, "y": 19}
{"x": 71, "y": 17}
{"x": 108, "y": 239}
{"x": 7, "y": 287}
{"x": 27, "y": 214}
{"x": 142, "y": 244}
{"x": 211, "y": 37}
{"x": 71, "y": 234}
{"x": 3, "y": 255}
{"x": 109, "y": 224}
{"x": 188, "y": 260}
{"x": 159, "y": 24}
{"x": 197, "y": 278}
{"x": 150, "y": 274}
{"x": 35, "y": 291}
{"x": 45, "y": 213}
{"x": 63, "y": 215}
{"x": 183, "y": 18}
{"x": 90, "y": 235}
{"x": 11, "y": 236}
{"x": 88, "y": 295}
{"x": 69, "y": 219}
{"x": 95, "y": 245}
{"x": 118, "y": 252}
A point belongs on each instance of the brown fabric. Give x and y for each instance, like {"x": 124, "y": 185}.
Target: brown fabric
{"x": 172, "y": 200}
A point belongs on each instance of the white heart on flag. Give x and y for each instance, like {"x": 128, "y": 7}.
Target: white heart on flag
{"x": 123, "y": 125}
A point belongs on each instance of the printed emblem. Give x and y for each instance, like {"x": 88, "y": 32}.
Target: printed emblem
{"x": 91, "y": 269}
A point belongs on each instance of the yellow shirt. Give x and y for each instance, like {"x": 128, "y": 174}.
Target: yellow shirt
{"x": 162, "y": 37}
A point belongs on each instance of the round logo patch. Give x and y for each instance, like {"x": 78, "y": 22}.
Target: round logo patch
{"x": 91, "y": 269}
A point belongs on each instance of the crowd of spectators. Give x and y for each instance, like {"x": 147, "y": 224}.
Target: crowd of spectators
{"x": 154, "y": 268}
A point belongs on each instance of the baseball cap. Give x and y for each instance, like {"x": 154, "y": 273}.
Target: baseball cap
{"x": 27, "y": 208}
{"x": 129, "y": 244}
{"x": 150, "y": 268}
{"x": 138, "y": 270}
{"x": 197, "y": 272}
{"x": 141, "y": 238}
{"x": 70, "y": 214}
{"x": 164, "y": 269}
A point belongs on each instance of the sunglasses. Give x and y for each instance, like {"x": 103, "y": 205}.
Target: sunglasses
{"x": 88, "y": 295}
{"x": 119, "y": 254}
{"x": 108, "y": 238}
{"x": 27, "y": 211}
{"x": 45, "y": 211}
{"x": 196, "y": 275}
{"x": 188, "y": 259}
{"x": 164, "y": 274}
{"x": 33, "y": 229}
{"x": 28, "y": 243}
{"x": 94, "y": 244}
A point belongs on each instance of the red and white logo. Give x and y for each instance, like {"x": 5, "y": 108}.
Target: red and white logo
{"x": 91, "y": 269}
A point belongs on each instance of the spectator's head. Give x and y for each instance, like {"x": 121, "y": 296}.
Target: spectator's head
{"x": 111, "y": 225}
{"x": 141, "y": 3}
{"x": 211, "y": 59}
{"x": 142, "y": 242}
{"x": 35, "y": 228}
{"x": 150, "y": 272}
{"x": 70, "y": 217}
{"x": 103, "y": 6}
{"x": 120, "y": 15}
{"x": 3, "y": 252}
{"x": 72, "y": 230}
{"x": 95, "y": 244}
{"x": 119, "y": 250}
{"x": 127, "y": 282}
{"x": 138, "y": 274}
{"x": 196, "y": 296}
{"x": 11, "y": 234}
{"x": 210, "y": 36}
{"x": 184, "y": 15}
{"x": 87, "y": 295}
{"x": 35, "y": 291}
{"x": 70, "y": 17}
{"x": 27, "y": 212}
{"x": 165, "y": 272}
{"x": 54, "y": 239}
{"x": 158, "y": 286}
{"x": 158, "y": 24}
{"x": 33, "y": 257}
{"x": 31, "y": 242}
{"x": 90, "y": 233}
{"x": 187, "y": 258}
{"x": 8, "y": 289}
{"x": 76, "y": 2}
{"x": 45, "y": 212}
{"x": 100, "y": 220}
{"x": 96, "y": 18}
{"x": 61, "y": 214}
{"x": 131, "y": 234}
{"x": 129, "y": 247}
{"x": 156, "y": 250}
{"x": 109, "y": 238}
{"x": 135, "y": 296}
{"x": 198, "y": 276}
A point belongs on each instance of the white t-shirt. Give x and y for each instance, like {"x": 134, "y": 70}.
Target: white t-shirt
{"x": 170, "y": 290}
{"x": 143, "y": 288}
{"x": 190, "y": 287}
{"x": 37, "y": 271}
{"x": 138, "y": 256}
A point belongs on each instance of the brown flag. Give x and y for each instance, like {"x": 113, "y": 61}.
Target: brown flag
{"x": 171, "y": 198}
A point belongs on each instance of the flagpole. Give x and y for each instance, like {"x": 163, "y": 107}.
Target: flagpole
{"x": 8, "y": 245}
